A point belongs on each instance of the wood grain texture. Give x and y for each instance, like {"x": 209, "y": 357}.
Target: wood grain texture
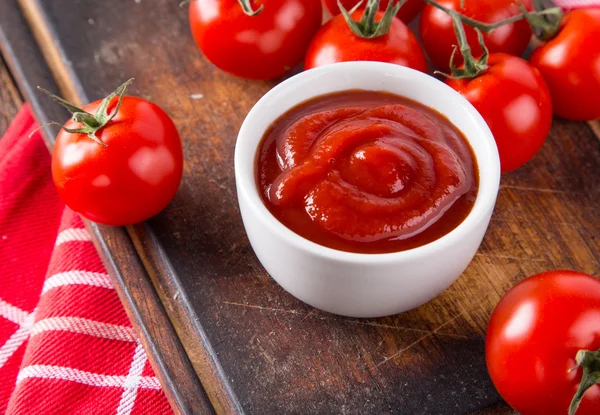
{"x": 10, "y": 99}
{"x": 166, "y": 354}
{"x": 203, "y": 357}
{"x": 595, "y": 126}
{"x": 26, "y": 65}
{"x": 257, "y": 349}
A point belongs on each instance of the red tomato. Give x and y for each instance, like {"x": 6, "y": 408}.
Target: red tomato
{"x": 533, "y": 337}
{"x": 407, "y": 12}
{"x": 514, "y": 100}
{"x": 131, "y": 179}
{"x": 570, "y": 63}
{"x": 264, "y": 46}
{"x": 335, "y": 42}
{"x": 438, "y": 36}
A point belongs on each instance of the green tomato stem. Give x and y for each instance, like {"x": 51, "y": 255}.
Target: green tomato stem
{"x": 91, "y": 123}
{"x": 488, "y": 27}
{"x": 247, "y": 8}
{"x": 368, "y": 28}
{"x": 473, "y": 67}
{"x": 590, "y": 362}
{"x": 545, "y": 21}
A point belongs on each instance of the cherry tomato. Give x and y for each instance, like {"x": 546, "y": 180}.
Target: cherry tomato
{"x": 533, "y": 337}
{"x": 514, "y": 100}
{"x": 438, "y": 36}
{"x": 570, "y": 63}
{"x": 407, "y": 12}
{"x": 336, "y": 42}
{"x": 131, "y": 179}
{"x": 264, "y": 46}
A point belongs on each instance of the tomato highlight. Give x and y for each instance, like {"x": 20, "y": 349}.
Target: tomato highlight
{"x": 570, "y": 64}
{"x": 437, "y": 34}
{"x": 504, "y": 81}
{"x": 542, "y": 344}
{"x": 366, "y": 35}
{"x": 118, "y": 161}
{"x": 255, "y": 43}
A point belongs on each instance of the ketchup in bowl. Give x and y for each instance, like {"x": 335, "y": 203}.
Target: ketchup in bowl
{"x": 366, "y": 172}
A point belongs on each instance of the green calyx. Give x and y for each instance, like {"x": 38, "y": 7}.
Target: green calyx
{"x": 549, "y": 18}
{"x": 368, "y": 28}
{"x": 590, "y": 362}
{"x": 91, "y": 123}
{"x": 472, "y": 67}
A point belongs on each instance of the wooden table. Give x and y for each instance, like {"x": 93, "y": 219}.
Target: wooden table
{"x": 221, "y": 334}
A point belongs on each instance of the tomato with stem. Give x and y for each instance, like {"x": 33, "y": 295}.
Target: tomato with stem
{"x": 366, "y": 35}
{"x": 543, "y": 345}
{"x": 118, "y": 161}
{"x": 569, "y": 60}
{"x": 437, "y": 34}
{"x": 254, "y": 39}
{"x": 509, "y": 93}
{"x": 407, "y": 12}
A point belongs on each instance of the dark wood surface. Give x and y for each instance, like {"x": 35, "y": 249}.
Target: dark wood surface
{"x": 167, "y": 356}
{"x": 10, "y": 99}
{"x": 255, "y": 348}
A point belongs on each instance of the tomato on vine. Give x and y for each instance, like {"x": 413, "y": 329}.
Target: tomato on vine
{"x": 254, "y": 39}
{"x": 569, "y": 60}
{"x": 407, "y": 12}
{"x": 438, "y": 37}
{"x": 510, "y": 94}
{"x": 118, "y": 161}
{"x": 366, "y": 35}
{"x": 543, "y": 345}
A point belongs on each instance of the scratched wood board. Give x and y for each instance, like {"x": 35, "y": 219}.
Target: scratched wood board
{"x": 10, "y": 100}
{"x": 255, "y": 348}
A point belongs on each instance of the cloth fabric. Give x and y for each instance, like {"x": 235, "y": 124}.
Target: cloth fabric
{"x": 577, "y": 4}
{"x": 66, "y": 344}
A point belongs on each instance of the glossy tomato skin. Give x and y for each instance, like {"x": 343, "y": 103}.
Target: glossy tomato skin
{"x": 131, "y": 179}
{"x": 335, "y": 42}
{"x": 514, "y": 100}
{"x": 407, "y": 12}
{"x": 438, "y": 36}
{"x": 533, "y": 337}
{"x": 570, "y": 63}
{"x": 265, "y": 46}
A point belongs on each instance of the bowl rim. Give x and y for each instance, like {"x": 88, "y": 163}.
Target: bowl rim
{"x": 488, "y": 162}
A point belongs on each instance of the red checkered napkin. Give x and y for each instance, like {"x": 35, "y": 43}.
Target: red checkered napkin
{"x": 66, "y": 344}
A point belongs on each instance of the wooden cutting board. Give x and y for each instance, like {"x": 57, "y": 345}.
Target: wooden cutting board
{"x": 223, "y": 336}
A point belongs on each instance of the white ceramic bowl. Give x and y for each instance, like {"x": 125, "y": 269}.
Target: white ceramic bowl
{"x": 364, "y": 285}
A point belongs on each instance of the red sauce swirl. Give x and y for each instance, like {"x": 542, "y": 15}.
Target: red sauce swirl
{"x": 366, "y": 172}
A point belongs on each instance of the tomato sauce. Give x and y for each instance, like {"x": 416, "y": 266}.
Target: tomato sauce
{"x": 366, "y": 172}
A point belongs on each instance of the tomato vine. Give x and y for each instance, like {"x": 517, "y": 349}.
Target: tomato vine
{"x": 368, "y": 28}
